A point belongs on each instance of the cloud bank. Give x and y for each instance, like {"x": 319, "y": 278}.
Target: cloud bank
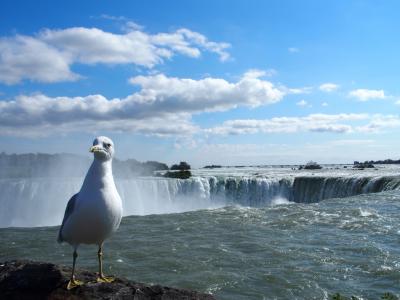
{"x": 163, "y": 106}
{"x": 334, "y": 123}
{"x": 49, "y": 55}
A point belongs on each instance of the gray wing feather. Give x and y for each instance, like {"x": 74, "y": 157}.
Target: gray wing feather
{"x": 68, "y": 211}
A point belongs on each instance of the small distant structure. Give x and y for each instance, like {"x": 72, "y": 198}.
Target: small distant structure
{"x": 311, "y": 165}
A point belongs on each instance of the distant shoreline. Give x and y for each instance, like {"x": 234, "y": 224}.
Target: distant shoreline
{"x": 207, "y": 166}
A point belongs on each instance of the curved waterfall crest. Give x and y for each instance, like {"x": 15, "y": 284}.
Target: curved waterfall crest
{"x": 40, "y": 201}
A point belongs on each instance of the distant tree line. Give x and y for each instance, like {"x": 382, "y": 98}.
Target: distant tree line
{"x": 68, "y": 165}
{"x": 378, "y": 162}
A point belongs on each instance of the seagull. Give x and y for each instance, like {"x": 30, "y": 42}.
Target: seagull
{"x": 94, "y": 213}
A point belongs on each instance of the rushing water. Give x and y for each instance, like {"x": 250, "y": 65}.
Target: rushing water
{"x": 40, "y": 201}
{"x": 249, "y": 243}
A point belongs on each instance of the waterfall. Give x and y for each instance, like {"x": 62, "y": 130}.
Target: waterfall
{"x": 309, "y": 189}
{"x": 143, "y": 196}
{"x": 41, "y": 201}
{"x": 31, "y": 202}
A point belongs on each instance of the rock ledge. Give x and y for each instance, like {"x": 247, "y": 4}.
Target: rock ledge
{"x": 22, "y": 279}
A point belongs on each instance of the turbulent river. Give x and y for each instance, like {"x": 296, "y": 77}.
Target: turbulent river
{"x": 239, "y": 233}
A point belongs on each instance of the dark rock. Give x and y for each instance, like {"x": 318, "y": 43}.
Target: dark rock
{"x": 37, "y": 280}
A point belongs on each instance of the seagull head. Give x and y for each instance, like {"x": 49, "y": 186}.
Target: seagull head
{"x": 103, "y": 148}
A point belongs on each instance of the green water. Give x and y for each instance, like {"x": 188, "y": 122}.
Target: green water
{"x": 290, "y": 251}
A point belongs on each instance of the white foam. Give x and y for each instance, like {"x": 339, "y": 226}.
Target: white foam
{"x": 279, "y": 201}
{"x": 366, "y": 213}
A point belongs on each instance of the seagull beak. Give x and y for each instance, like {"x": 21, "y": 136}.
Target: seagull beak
{"x": 95, "y": 148}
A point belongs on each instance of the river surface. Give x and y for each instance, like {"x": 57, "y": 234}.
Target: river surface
{"x": 239, "y": 235}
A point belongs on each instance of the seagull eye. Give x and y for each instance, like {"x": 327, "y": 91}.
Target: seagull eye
{"x": 108, "y": 145}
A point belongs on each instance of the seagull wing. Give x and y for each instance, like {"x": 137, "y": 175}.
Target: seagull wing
{"x": 68, "y": 211}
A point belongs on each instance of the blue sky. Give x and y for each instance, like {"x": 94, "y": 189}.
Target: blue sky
{"x": 223, "y": 82}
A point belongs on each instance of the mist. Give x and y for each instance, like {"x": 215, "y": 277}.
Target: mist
{"x": 36, "y": 188}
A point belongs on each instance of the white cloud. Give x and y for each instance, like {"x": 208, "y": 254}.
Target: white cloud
{"x": 128, "y": 25}
{"x": 311, "y": 123}
{"x": 328, "y": 87}
{"x": 92, "y": 45}
{"x": 293, "y": 49}
{"x": 256, "y": 73}
{"x": 26, "y": 57}
{"x": 200, "y": 40}
{"x": 169, "y": 125}
{"x": 365, "y": 94}
{"x": 325, "y": 104}
{"x": 207, "y": 94}
{"x": 302, "y": 103}
{"x": 380, "y": 122}
{"x": 48, "y": 56}
{"x": 298, "y": 91}
{"x": 163, "y": 106}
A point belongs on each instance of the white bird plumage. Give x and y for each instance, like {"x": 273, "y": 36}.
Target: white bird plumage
{"x": 94, "y": 213}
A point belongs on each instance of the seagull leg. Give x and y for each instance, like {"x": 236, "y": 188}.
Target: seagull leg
{"x": 73, "y": 283}
{"x": 101, "y": 277}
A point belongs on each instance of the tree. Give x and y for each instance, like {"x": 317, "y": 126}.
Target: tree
{"x": 181, "y": 167}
